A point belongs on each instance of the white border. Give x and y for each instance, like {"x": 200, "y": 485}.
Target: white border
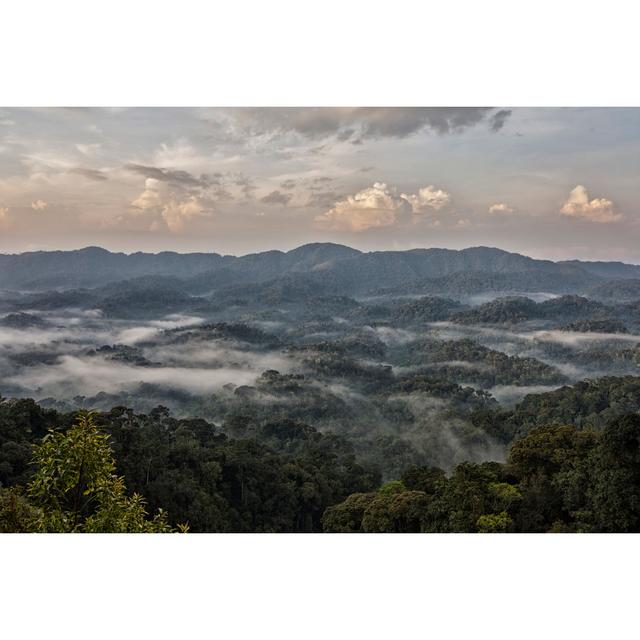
{"x": 334, "y": 52}
{"x": 286, "y": 52}
{"x": 324, "y": 586}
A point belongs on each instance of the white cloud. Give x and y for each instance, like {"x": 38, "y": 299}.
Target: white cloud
{"x": 4, "y": 216}
{"x": 501, "y": 208}
{"x": 381, "y": 206}
{"x": 600, "y": 210}
{"x": 157, "y": 199}
{"x": 428, "y": 199}
{"x": 373, "y": 207}
{"x": 150, "y": 198}
{"x": 39, "y": 205}
{"x": 176, "y": 213}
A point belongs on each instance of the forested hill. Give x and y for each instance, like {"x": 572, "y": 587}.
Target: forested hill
{"x": 285, "y": 476}
{"x": 341, "y": 267}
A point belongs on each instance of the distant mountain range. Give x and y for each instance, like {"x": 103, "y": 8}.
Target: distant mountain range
{"x": 327, "y": 267}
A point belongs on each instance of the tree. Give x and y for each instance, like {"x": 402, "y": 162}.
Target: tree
{"x": 551, "y": 464}
{"x": 17, "y": 514}
{"x": 494, "y": 523}
{"x": 615, "y": 492}
{"x": 347, "y": 516}
{"x": 427, "y": 479}
{"x": 76, "y": 489}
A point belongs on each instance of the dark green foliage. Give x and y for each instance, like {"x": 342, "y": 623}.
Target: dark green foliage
{"x": 591, "y": 403}
{"x": 149, "y": 303}
{"x": 427, "y": 309}
{"x": 615, "y": 482}
{"x": 285, "y": 476}
{"x": 611, "y": 325}
{"x": 74, "y": 489}
{"x": 500, "y": 311}
{"x": 17, "y": 514}
{"x": 22, "y": 320}
{"x": 22, "y": 424}
{"x": 586, "y": 404}
{"x": 552, "y": 465}
{"x": 557, "y": 479}
{"x": 382, "y": 512}
{"x": 219, "y": 331}
{"x": 513, "y": 310}
{"x": 467, "y": 361}
{"x": 280, "y": 476}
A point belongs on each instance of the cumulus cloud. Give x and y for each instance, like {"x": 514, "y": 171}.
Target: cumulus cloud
{"x": 373, "y": 207}
{"x": 428, "y": 199}
{"x": 150, "y": 197}
{"x": 175, "y": 214}
{"x": 381, "y": 206}
{"x": 501, "y": 208}
{"x": 173, "y": 211}
{"x": 599, "y": 210}
{"x": 39, "y": 205}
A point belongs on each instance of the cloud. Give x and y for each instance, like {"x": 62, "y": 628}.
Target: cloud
{"x": 246, "y": 185}
{"x": 599, "y": 210}
{"x": 39, "y": 205}
{"x": 323, "y": 199}
{"x": 373, "y": 207}
{"x": 90, "y": 174}
{"x": 179, "y": 177}
{"x": 288, "y": 184}
{"x": 4, "y": 216}
{"x": 379, "y": 206}
{"x": 276, "y": 197}
{"x": 150, "y": 197}
{"x": 165, "y": 206}
{"x": 501, "y": 208}
{"x": 358, "y": 123}
{"x": 87, "y": 376}
{"x": 89, "y": 150}
{"x": 176, "y": 213}
{"x": 428, "y": 199}
{"x": 497, "y": 120}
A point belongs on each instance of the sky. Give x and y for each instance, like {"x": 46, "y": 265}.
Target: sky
{"x": 553, "y": 183}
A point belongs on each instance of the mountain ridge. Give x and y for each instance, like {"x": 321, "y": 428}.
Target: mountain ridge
{"x": 339, "y": 267}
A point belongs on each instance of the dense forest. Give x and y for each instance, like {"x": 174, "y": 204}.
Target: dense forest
{"x": 318, "y": 390}
{"x": 287, "y": 477}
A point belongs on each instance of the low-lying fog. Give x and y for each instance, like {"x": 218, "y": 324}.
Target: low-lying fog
{"x": 369, "y": 380}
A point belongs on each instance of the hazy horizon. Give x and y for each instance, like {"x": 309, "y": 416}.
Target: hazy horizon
{"x": 552, "y": 183}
